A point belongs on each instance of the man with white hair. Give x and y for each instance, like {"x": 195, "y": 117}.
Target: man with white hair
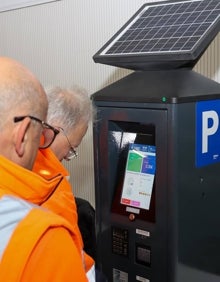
{"x": 70, "y": 111}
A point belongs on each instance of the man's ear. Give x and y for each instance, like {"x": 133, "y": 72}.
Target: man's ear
{"x": 21, "y": 136}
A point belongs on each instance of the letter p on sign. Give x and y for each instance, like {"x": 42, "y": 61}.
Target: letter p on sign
{"x": 207, "y": 129}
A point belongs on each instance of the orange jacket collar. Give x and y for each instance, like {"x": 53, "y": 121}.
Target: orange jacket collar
{"x": 26, "y": 184}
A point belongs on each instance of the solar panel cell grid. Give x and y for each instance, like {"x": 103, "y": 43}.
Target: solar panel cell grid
{"x": 166, "y": 28}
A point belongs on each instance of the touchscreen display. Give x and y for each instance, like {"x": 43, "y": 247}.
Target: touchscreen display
{"x": 139, "y": 176}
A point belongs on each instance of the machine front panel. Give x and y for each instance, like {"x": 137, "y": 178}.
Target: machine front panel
{"x": 131, "y": 182}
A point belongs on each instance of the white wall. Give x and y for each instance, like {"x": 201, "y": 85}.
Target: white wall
{"x": 57, "y": 41}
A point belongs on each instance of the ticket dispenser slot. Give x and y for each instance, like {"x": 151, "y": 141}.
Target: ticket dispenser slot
{"x": 143, "y": 254}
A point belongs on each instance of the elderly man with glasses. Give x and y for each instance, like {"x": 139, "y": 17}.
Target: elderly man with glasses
{"x": 35, "y": 244}
{"x": 70, "y": 111}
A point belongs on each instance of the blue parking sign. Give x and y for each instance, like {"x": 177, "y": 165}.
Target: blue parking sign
{"x": 207, "y": 132}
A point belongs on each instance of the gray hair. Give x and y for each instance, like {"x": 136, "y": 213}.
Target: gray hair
{"x": 68, "y": 107}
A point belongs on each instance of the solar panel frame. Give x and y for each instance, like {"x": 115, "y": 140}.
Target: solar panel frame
{"x": 166, "y": 59}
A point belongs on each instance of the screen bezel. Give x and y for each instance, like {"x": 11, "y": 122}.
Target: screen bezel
{"x": 145, "y": 138}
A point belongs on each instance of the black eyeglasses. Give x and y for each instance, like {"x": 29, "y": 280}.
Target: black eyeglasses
{"x": 72, "y": 151}
{"x": 49, "y": 132}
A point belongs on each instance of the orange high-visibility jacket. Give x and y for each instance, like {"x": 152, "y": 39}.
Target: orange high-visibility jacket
{"x": 35, "y": 244}
{"x": 62, "y": 200}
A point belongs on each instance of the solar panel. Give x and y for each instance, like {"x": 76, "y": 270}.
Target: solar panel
{"x": 170, "y": 34}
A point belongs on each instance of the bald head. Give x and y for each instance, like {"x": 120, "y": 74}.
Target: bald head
{"x": 20, "y": 91}
{"x": 21, "y": 94}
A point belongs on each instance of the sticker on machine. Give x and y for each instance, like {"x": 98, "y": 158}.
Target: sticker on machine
{"x": 142, "y": 279}
{"x": 139, "y": 176}
{"x": 119, "y": 276}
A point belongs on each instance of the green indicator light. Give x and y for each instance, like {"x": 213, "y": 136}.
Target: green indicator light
{"x": 164, "y": 99}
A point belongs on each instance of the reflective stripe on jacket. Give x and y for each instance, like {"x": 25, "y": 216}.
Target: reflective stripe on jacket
{"x": 12, "y": 211}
